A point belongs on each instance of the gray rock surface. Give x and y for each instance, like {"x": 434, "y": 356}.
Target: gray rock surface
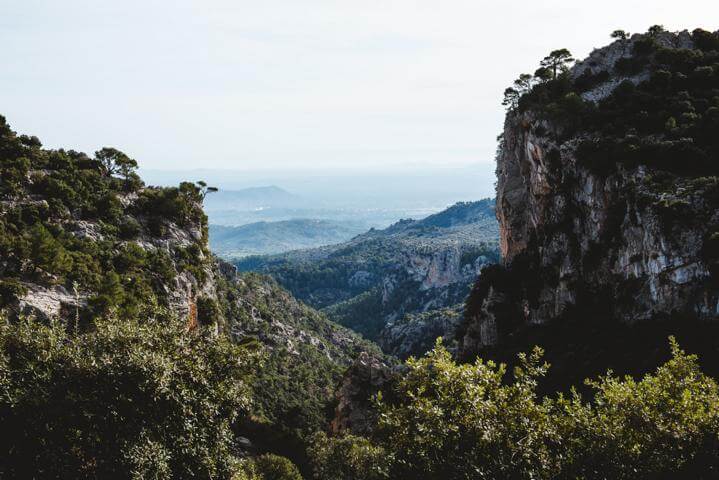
{"x": 354, "y": 412}
{"x": 586, "y": 232}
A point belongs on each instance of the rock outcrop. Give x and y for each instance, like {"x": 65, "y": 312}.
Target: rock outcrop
{"x": 47, "y": 300}
{"x": 354, "y": 412}
{"x": 576, "y": 241}
{"x": 415, "y": 334}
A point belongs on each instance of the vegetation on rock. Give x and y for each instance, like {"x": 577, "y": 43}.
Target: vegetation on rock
{"x": 66, "y": 220}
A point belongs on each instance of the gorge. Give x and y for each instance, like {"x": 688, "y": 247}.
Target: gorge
{"x": 129, "y": 350}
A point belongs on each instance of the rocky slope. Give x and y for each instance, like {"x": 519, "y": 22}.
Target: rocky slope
{"x": 371, "y": 282}
{"x": 607, "y": 193}
{"x": 80, "y": 240}
{"x": 415, "y": 333}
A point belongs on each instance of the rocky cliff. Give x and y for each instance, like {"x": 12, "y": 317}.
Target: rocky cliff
{"x": 607, "y": 193}
{"x": 82, "y": 238}
{"x": 414, "y": 334}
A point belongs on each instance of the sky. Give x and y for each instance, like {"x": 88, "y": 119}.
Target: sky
{"x": 289, "y": 84}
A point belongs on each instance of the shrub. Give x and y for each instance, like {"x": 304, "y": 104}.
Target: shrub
{"x": 462, "y": 421}
{"x": 10, "y": 290}
{"x": 127, "y": 399}
{"x": 208, "y": 311}
{"x": 449, "y": 421}
{"x": 347, "y": 457}
{"x": 274, "y": 467}
{"x": 129, "y": 228}
{"x": 666, "y": 422}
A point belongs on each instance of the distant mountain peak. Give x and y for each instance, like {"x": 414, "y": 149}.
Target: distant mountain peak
{"x": 459, "y": 214}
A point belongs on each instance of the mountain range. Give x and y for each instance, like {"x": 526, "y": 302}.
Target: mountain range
{"x": 261, "y": 238}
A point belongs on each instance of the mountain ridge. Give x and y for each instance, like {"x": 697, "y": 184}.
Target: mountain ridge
{"x": 266, "y": 238}
{"x": 412, "y": 266}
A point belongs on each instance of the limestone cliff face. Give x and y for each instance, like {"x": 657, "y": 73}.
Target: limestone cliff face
{"x": 573, "y": 239}
{"x": 181, "y": 293}
{"x": 438, "y": 269}
{"x": 567, "y": 216}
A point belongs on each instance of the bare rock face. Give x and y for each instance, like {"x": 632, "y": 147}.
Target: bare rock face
{"x": 49, "y": 302}
{"x": 354, "y": 413}
{"x": 582, "y": 228}
{"x": 572, "y": 239}
{"x": 441, "y": 268}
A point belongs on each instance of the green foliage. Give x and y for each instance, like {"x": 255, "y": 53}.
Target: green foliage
{"x": 298, "y": 378}
{"x": 181, "y": 205}
{"x": 274, "y": 467}
{"x": 549, "y": 82}
{"x": 305, "y": 358}
{"x": 666, "y": 121}
{"x": 348, "y": 457}
{"x": 129, "y": 228}
{"x": 66, "y": 220}
{"x": 362, "y": 313}
{"x": 666, "y": 422}
{"x": 208, "y": 311}
{"x": 620, "y": 35}
{"x": 9, "y": 291}
{"x": 556, "y": 62}
{"x": 449, "y": 421}
{"x": 124, "y": 400}
{"x": 456, "y": 421}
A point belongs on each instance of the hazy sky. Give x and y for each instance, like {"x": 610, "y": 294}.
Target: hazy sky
{"x": 244, "y": 84}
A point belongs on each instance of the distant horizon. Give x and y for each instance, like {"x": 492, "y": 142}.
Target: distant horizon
{"x": 394, "y": 187}
{"x": 234, "y": 84}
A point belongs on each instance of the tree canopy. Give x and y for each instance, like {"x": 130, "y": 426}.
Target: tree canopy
{"x": 448, "y": 421}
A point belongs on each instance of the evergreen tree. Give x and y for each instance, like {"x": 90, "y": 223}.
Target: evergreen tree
{"x": 557, "y": 61}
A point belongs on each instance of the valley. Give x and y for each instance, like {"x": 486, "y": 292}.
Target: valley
{"x": 372, "y": 282}
{"x": 564, "y": 328}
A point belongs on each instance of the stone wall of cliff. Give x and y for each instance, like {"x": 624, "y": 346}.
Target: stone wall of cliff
{"x": 576, "y": 241}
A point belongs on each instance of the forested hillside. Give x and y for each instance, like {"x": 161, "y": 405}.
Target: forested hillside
{"x": 267, "y": 238}
{"x": 373, "y": 281}
{"x": 96, "y": 265}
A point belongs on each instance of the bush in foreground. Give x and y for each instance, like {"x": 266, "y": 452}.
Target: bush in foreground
{"x": 124, "y": 400}
{"x": 467, "y": 421}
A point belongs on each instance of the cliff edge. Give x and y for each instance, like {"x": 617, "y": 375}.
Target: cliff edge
{"x": 607, "y": 192}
